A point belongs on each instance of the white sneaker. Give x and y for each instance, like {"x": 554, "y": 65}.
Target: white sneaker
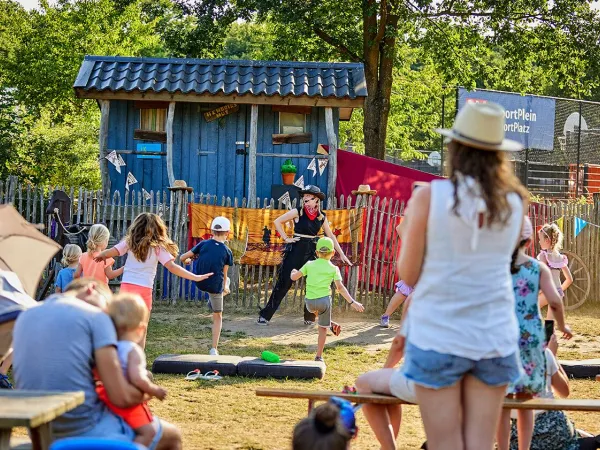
{"x": 213, "y": 352}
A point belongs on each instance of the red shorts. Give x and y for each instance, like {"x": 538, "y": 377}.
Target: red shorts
{"x": 135, "y": 416}
{"x": 142, "y": 291}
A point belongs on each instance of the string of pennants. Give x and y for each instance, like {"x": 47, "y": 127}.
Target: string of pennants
{"x": 578, "y": 224}
{"x": 117, "y": 161}
{"x": 314, "y": 165}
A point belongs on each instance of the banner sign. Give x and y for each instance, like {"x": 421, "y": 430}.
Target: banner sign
{"x": 529, "y": 119}
{"x": 254, "y": 240}
{"x": 151, "y": 148}
{"x": 221, "y": 111}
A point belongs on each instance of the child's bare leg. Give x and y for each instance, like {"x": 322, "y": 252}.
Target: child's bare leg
{"x": 144, "y": 435}
{"x": 395, "y": 302}
{"x": 216, "y": 328}
{"x": 321, "y": 341}
{"x": 524, "y": 428}
{"x": 503, "y": 432}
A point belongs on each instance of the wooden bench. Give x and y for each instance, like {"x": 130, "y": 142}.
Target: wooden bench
{"x": 34, "y": 410}
{"x": 548, "y": 404}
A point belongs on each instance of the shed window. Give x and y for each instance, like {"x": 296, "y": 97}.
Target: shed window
{"x": 153, "y": 119}
{"x": 291, "y": 123}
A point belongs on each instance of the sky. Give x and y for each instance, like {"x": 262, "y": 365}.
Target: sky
{"x": 30, "y": 4}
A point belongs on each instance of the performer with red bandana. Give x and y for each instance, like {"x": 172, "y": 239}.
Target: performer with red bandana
{"x": 308, "y": 220}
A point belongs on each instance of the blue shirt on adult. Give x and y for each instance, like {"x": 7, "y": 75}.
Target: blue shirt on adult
{"x": 213, "y": 256}
{"x": 64, "y": 277}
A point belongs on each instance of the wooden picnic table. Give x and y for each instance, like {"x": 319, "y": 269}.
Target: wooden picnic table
{"x": 35, "y": 410}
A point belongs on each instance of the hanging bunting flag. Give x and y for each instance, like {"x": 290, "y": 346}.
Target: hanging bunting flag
{"x": 323, "y": 149}
{"x": 579, "y": 225}
{"x": 322, "y": 165}
{"x": 121, "y": 161}
{"x": 300, "y": 182}
{"x": 285, "y": 199}
{"x": 130, "y": 180}
{"x": 113, "y": 158}
{"x": 146, "y": 194}
{"x": 313, "y": 166}
{"x": 560, "y": 223}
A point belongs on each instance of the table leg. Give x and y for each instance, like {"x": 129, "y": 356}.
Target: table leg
{"x": 41, "y": 437}
{"x": 5, "y": 438}
{"x": 311, "y": 404}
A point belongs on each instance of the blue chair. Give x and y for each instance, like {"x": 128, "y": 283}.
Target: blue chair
{"x": 94, "y": 444}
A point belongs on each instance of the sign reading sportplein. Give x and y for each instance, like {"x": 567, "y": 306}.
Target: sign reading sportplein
{"x": 529, "y": 119}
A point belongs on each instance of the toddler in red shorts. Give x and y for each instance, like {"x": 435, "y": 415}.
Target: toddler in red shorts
{"x": 130, "y": 316}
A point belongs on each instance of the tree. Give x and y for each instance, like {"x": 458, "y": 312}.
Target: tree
{"x": 509, "y": 32}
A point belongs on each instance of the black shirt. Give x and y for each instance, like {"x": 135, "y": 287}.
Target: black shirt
{"x": 305, "y": 225}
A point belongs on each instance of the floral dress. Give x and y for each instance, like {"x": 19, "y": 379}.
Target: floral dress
{"x": 526, "y": 284}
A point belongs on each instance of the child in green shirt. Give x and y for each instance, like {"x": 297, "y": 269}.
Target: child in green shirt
{"x": 319, "y": 275}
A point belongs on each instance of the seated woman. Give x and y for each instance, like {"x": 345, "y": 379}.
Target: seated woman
{"x": 553, "y": 430}
{"x": 385, "y": 419}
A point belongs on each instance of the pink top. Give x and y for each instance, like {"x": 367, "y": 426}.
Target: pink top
{"x": 552, "y": 261}
{"x": 139, "y": 272}
{"x": 93, "y": 269}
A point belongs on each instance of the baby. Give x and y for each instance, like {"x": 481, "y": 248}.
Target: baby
{"x": 130, "y": 316}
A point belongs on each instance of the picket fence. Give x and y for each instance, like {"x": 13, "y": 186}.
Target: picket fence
{"x": 370, "y": 279}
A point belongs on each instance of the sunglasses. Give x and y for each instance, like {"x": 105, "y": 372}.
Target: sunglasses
{"x": 346, "y": 415}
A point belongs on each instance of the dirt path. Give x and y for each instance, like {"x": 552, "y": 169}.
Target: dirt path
{"x": 284, "y": 329}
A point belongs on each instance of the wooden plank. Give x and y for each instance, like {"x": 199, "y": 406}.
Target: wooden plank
{"x": 333, "y": 144}
{"x": 252, "y": 155}
{"x": 369, "y": 249}
{"x": 292, "y": 138}
{"x": 384, "y": 262}
{"x": 140, "y": 104}
{"x": 34, "y": 408}
{"x": 152, "y": 136}
{"x": 292, "y": 155}
{"x": 248, "y": 99}
{"x": 307, "y": 110}
{"x": 221, "y": 112}
{"x": 169, "y": 130}
{"x": 103, "y": 142}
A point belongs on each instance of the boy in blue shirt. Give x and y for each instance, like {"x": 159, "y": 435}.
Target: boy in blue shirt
{"x": 213, "y": 254}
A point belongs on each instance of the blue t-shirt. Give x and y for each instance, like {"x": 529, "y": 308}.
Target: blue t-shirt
{"x": 64, "y": 277}
{"x": 212, "y": 257}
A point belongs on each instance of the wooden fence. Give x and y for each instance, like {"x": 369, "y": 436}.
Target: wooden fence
{"x": 370, "y": 279}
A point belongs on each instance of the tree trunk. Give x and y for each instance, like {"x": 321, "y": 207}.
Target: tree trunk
{"x": 379, "y": 62}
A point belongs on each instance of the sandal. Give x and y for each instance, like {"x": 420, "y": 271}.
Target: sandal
{"x": 335, "y": 328}
{"x": 195, "y": 374}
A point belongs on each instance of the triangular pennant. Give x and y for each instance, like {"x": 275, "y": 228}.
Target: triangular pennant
{"x": 130, "y": 180}
{"x": 146, "y": 194}
{"x": 121, "y": 161}
{"x": 579, "y": 225}
{"x": 313, "y": 166}
{"x": 323, "y": 149}
{"x": 285, "y": 199}
{"x": 322, "y": 165}
{"x": 113, "y": 158}
{"x": 300, "y": 182}
{"x": 560, "y": 222}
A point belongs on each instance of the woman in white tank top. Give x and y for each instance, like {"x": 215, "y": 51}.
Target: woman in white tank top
{"x": 458, "y": 239}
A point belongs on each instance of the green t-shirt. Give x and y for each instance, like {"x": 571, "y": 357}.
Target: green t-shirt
{"x": 319, "y": 275}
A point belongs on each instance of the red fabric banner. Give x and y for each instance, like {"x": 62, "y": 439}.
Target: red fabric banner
{"x": 389, "y": 180}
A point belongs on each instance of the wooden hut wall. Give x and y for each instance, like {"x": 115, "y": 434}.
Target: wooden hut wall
{"x": 204, "y": 153}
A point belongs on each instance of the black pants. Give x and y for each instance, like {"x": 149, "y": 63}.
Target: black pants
{"x": 294, "y": 257}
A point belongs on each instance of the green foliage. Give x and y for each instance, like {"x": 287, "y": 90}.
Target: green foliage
{"x": 250, "y": 40}
{"x": 288, "y": 167}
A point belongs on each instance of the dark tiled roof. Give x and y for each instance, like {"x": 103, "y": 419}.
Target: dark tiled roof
{"x": 212, "y": 76}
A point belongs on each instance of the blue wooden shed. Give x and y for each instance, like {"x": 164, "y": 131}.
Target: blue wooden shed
{"x": 223, "y": 126}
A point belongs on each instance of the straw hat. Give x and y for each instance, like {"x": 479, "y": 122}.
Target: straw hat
{"x": 481, "y": 125}
{"x": 364, "y": 189}
{"x": 180, "y": 185}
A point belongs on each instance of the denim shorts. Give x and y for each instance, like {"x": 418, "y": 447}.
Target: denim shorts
{"x": 435, "y": 370}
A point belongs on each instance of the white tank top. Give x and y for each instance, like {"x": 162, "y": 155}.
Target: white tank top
{"x": 464, "y": 303}
{"x": 123, "y": 350}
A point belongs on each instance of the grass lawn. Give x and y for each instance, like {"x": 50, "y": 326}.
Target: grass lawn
{"x": 228, "y": 415}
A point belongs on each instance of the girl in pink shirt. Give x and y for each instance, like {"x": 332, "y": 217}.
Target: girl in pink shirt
{"x": 147, "y": 244}
{"x": 100, "y": 270}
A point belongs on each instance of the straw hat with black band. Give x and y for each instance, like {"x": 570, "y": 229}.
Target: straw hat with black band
{"x": 481, "y": 126}
{"x": 180, "y": 185}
